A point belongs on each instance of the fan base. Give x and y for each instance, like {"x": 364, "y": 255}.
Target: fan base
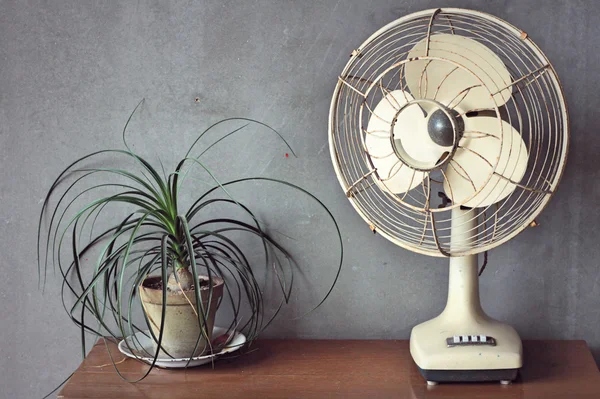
{"x": 468, "y": 362}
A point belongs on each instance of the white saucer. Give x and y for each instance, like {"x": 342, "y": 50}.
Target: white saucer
{"x": 143, "y": 345}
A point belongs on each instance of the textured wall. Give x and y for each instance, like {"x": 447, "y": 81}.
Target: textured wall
{"x": 70, "y": 73}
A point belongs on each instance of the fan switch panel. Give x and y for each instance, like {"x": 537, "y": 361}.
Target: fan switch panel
{"x": 469, "y": 340}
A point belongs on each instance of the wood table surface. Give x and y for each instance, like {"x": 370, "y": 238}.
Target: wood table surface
{"x": 333, "y": 369}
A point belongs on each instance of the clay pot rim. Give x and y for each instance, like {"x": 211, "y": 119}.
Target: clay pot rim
{"x": 217, "y": 282}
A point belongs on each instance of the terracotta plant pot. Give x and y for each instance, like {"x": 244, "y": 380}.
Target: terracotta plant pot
{"x": 182, "y": 327}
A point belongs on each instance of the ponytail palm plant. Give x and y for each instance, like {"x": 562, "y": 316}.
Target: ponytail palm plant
{"x": 156, "y": 235}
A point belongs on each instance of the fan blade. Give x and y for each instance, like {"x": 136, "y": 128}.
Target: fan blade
{"x": 485, "y": 142}
{"x": 455, "y": 86}
{"x": 411, "y": 129}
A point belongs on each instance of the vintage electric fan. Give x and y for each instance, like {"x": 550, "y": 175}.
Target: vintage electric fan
{"x": 448, "y": 132}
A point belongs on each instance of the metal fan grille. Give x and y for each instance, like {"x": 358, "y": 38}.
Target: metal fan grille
{"x": 418, "y": 219}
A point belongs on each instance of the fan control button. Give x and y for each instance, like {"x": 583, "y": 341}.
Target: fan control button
{"x": 470, "y": 340}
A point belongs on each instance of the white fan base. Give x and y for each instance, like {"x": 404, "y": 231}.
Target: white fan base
{"x": 430, "y": 352}
{"x": 462, "y": 316}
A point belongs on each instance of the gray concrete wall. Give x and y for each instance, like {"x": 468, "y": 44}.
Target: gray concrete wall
{"x": 70, "y": 73}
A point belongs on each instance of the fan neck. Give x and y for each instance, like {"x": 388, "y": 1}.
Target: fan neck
{"x": 463, "y": 283}
{"x": 463, "y": 286}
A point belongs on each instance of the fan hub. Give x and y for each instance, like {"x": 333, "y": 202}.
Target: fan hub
{"x": 440, "y": 127}
{"x": 444, "y": 127}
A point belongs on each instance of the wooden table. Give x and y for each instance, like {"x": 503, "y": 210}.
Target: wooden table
{"x": 334, "y": 369}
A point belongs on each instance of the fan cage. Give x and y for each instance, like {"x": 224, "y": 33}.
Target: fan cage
{"x": 420, "y": 220}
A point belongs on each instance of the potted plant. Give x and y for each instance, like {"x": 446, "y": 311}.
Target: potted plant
{"x": 181, "y": 263}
